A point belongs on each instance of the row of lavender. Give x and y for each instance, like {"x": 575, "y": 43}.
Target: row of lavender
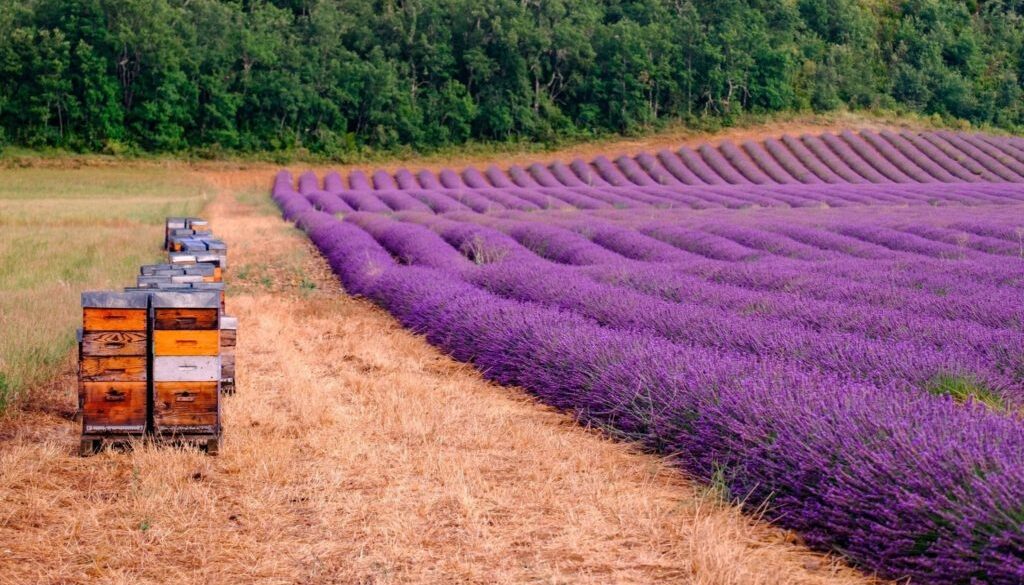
{"x": 491, "y": 200}
{"x": 814, "y": 362}
{"x": 856, "y": 158}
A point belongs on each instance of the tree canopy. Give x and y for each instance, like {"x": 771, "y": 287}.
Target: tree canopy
{"x": 334, "y": 76}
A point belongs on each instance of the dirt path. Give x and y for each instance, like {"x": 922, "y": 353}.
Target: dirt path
{"x": 356, "y": 453}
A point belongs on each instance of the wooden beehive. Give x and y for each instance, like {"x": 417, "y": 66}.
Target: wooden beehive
{"x": 154, "y": 269}
{"x": 186, "y": 366}
{"x": 113, "y": 367}
{"x": 182, "y": 259}
{"x": 172, "y": 223}
{"x": 212, "y": 286}
{"x": 228, "y": 340}
{"x": 199, "y": 225}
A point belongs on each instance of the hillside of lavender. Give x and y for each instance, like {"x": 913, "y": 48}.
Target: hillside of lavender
{"x": 829, "y": 328}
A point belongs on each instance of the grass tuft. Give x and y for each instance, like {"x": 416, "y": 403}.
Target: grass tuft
{"x": 964, "y": 389}
{"x": 5, "y": 391}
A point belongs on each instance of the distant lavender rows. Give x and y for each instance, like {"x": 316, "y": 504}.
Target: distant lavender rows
{"x": 491, "y": 200}
{"x": 789, "y": 340}
{"x": 848, "y": 158}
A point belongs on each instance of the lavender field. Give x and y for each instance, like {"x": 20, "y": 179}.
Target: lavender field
{"x": 831, "y": 327}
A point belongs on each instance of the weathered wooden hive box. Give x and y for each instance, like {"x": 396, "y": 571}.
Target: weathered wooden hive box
{"x": 217, "y": 287}
{"x": 172, "y": 223}
{"x": 113, "y": 366}
{"x": 186, "y": 365}
{"x": 220, "y": 250}
{"x": 191, "y": 258}
{"x": 199, "y": 225}
{"x": 228, "y": 339}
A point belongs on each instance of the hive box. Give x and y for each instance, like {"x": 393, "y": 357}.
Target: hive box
{"x": 186, "y": 365}
{"x": 171, "y": 224}
{"x": 113, "y": 366}
{"x": 228, "y": 339}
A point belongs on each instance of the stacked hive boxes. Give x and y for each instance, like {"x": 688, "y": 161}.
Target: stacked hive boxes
{"x": 193, "y": 242}
{"x": 186, "y": 365}
{"x": 153, "y": 359}
{"x": 113, "y": 366}
{"x": 195, "y": 271}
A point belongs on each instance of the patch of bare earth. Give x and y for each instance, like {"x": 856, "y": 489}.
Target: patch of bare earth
{"x": 355, "y": 452}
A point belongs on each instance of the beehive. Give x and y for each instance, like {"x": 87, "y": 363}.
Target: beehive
{"x": 113, "y": 366}
{"x": 172, "y": 223}
{"x": 186, "y": 365}
{"x": 228, "y": 339}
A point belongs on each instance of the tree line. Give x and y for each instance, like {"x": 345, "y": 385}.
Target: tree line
{"x": 337, "y": 76}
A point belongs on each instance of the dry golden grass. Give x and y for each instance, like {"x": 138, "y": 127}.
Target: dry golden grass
{"x": 356, "y": 453}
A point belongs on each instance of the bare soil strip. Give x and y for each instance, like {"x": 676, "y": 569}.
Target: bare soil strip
{"x": 356, "y": 453}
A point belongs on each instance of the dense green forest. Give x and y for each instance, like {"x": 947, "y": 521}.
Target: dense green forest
{"x": 337, "y": 76}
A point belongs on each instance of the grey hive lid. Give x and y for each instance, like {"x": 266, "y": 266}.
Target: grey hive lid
{"x": 150, "y": 269}
{"x": 203, "y": 268}
{"x": 175, "y": 222}
{"x": 207, "y": 257}
{"x": 228, "y": 322}
{"x": 175, "y": 285}
{"x": 182, "y": 257}
{"x": 216, "y": 245}
{"x": 151, "y": 280}
{"x": 208, "y": 285}
{"x": 191, "y": 278}
{"x": 186, "y": 300}
{"x": 108, "y": 299}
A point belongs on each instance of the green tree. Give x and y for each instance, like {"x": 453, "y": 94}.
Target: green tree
{"x": 101, "y": 117}
{"x": 336, "y": 76}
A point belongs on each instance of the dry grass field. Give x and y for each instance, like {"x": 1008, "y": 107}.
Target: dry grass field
{"x": 354, "y": 452}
